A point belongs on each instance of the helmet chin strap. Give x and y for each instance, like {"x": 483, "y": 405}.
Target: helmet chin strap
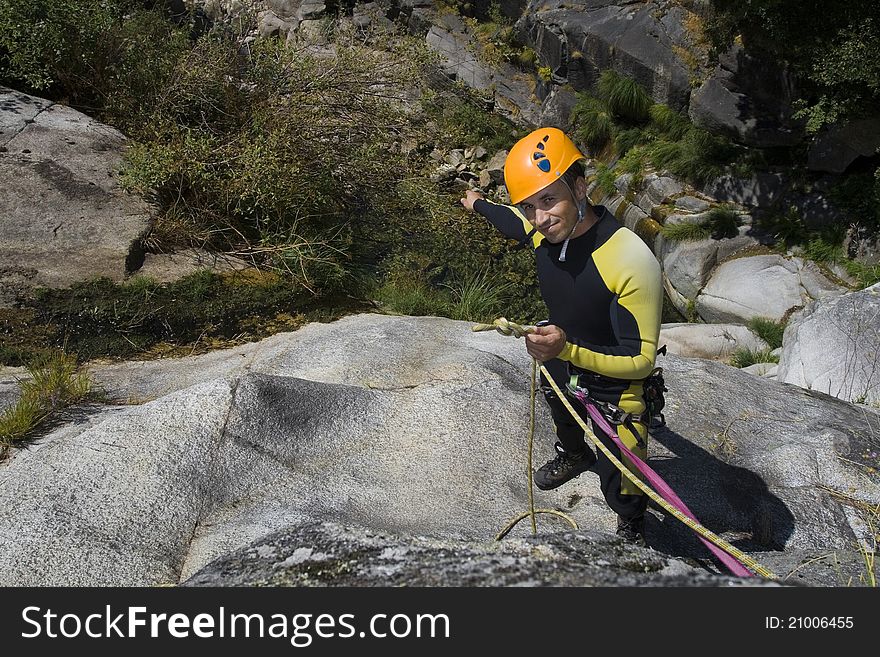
{"x": 580, "y": 206}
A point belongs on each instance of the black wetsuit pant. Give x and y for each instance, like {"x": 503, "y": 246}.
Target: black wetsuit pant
{"x": 571, "y": 436}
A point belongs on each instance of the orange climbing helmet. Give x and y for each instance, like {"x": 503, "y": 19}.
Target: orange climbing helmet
{"x": 538, "y": 160}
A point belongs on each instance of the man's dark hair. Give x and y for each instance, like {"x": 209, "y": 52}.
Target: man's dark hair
{"x": 575, "y": 171}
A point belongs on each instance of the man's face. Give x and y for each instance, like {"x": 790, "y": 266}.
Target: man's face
{"x": 552, "y": 211}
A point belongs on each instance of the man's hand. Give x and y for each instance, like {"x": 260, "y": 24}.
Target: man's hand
{"x": 468, "y": 201}
{"x": 546, "y": 342}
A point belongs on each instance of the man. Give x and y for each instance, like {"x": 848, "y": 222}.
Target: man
{"x": 601, "y": 285}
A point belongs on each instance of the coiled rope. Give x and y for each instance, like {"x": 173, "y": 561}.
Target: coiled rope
{"x": 506, "y": 327}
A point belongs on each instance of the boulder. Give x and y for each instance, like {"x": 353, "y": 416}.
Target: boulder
{"x": 284, "y": 8}
{"x": 712, "y": 341}
{"x": 228, "y": 448}
{"x": 691, "y": 204}
{"x": 66, "y": 219}
{"x": 766, "y": 370}
{"x": 312, "y": 9}
{"x": 656, "y": 190}
{"x": 689, "y": 264}
{"x": 833, "y": 346}
{"x": 785, "y": 284}
{"x": 838, "y": 146}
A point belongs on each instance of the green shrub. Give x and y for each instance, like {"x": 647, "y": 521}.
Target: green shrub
{"x": 274, "y": 160}
{"x": 407, "y": 294}
{"x": 770, "y": 331}
{"x": 109, "y": 58}
{"x": 629, "y": 138}
{"x": 625, "y": 98}
{"x": 697, "y": 157}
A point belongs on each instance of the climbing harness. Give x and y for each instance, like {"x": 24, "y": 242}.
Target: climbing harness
{"x": 729, "y": 555}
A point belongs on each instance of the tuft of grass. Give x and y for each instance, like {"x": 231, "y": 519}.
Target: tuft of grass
{"x": 55, "y": 383}
{"x": 626, "y": 140}
{"x": 823, "y": 250}
{"x": 744, "y": 357}
{"x": 722, "y": 222}
{"x": 593, "y": 123}
{"x": 698, "y": 156}
{"x": 605, "y": 177}
{"x": 668, "y": 122}
{"x": 479, "y": 297}
{"x": 624, "y": 97}
{"x": 769, "y": 330}
{"x": 685, "y": 232}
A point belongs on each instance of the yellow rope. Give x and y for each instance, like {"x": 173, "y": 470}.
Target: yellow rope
{"x": 519, "y": 331}
{"x": 510, "y": 328}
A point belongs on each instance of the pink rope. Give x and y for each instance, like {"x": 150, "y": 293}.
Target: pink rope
{"x": 732, "y": 563}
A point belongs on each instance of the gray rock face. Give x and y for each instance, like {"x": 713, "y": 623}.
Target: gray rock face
{"x": 65, "y": 219}
{"x": 409, "y": 426}
{"x": 760, "y": 191}
{"x": 691, "y": 204}
{"x": 631, "y": 38}
{"x": 327, "y": 554}
{"x": 712, "y": 341}
{"x": 765, "y": 433}
{"x": 834, "y": 346}
{"x": 747, "y": 99}
{"x": 460, "y": 62}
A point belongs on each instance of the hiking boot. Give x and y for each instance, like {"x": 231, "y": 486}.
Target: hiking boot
{"x": 632, "y": 530}
{"x": 565, "y": 466}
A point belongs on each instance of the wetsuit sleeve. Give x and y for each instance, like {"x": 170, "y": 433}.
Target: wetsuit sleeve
{"x": 632, "y": 274}
{"x": 508, "y": 220}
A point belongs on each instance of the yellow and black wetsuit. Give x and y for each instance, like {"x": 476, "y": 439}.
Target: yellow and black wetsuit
{"x": 607, "y": 296}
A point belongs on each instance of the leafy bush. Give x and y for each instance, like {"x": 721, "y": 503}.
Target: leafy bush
{"x": 835, "y": 57}
{"x": 273, "y": 160}
{"x": 107, "y": 58}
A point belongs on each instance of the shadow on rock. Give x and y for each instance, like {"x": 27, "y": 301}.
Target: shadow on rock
{"x": 731, "y": 501}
